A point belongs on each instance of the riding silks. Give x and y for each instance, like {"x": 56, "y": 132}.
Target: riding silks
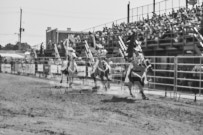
{"x": 134, "y": 71}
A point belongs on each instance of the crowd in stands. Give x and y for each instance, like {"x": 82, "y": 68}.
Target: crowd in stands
{"x": 158, "y": 28}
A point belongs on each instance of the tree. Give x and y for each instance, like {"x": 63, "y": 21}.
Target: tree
{"x": 23, "y": 46}
{"x": 8, "y": 46}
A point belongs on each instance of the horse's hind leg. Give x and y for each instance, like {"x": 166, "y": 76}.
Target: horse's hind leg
{"x": 70, "y": 80}
{"x": 142, "y": 91}
{"x": 103, "y": 81}
{"x": 108, "y": 80}
{"x": 130, "y": 89}
{"x": 95, "y": 81}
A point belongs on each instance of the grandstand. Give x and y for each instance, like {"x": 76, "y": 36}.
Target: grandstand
{"x": 161, "y": 35}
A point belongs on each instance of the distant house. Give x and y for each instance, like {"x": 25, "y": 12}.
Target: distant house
{"x": 55, "y": 36}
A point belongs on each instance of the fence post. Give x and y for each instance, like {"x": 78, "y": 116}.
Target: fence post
{"x": 155, "y": 71}
{"x": 175, "y": 75}
{"x": 200, "y": 77}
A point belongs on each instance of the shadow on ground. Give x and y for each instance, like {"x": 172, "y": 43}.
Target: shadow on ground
{"x": 119, "y": 99}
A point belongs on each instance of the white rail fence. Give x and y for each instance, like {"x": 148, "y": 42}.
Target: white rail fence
{"x": 171, "y": 74}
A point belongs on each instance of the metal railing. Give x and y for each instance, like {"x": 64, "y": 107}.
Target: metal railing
{"x": 177, "y": 74}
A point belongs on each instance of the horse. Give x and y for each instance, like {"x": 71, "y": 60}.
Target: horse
{"x": 69, "y": 66}
{"x": 101, "y": 69}
{"x": 72, "y": 69}
{"x": 137, "y": 74}
{"x": 69, "y": 69}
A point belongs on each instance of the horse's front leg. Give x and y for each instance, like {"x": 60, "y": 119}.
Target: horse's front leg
{"x": 108, "y": 80}
{"x": 103, "y": 81}
{"x": 142, "y": 91}
{"x": 95, "y": 81}
{"x": 61, "y": 78}
{"x": 70, "y": 78}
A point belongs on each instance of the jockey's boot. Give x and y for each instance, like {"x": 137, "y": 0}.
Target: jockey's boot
{"x": 61, "y": 81}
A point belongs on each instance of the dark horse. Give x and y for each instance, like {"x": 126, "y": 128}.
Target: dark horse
{"x": 101, "y": 69}
{"x": 137, "y": 74}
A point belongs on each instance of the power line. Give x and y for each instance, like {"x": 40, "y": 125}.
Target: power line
{"x": 64, "y": 11}
{"x": 60, "y": 15}
{"x": 6, "y": 34}
{"x": 59, "y": 11}
{"x": 5, "y": 13}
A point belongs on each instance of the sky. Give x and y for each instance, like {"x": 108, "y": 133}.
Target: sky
{"x": 78, "y": 15}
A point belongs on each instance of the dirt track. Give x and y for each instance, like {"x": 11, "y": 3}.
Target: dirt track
{"x": 29, "y": 106}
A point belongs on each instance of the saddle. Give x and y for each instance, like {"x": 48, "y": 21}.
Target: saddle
{"x": 65, "y": 71}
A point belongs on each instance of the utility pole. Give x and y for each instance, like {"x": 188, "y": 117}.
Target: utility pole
{"x": 128, "y": 13}
{"x": 20, "y": 30}
{"x": 154, "y": 6}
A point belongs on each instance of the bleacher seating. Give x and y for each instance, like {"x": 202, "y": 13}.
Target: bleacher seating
{"x": 159, "y": 31}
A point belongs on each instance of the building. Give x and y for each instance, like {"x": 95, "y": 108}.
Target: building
{"x": 55, "y": 36}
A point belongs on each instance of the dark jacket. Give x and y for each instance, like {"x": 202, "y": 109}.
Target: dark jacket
{"x": 131, "y": 45}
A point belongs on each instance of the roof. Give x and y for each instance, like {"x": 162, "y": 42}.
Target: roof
{"x": 13, "y": 55}
{"x": 67, "y": 31}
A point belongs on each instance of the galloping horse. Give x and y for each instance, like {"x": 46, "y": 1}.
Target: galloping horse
{"x": 102, "y": 69}
{"x": 139, "y": 66}
{"x": 136, "y": 74}
{"x": 72, "y": 69}
{"x": 69, "y": 66}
